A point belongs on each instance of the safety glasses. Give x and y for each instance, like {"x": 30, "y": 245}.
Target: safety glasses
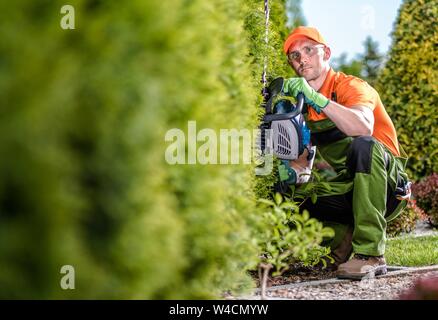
{"x": 309, "y": 51}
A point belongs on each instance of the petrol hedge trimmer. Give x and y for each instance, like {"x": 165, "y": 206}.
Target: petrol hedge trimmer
{"x": 288, "y": 137}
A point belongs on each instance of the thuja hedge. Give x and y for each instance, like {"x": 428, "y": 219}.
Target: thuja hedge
{"x": 277, "y": 66}
{"x": 83, "y": 181}
{"x": 84, "y": 113}
{"x": 408, "y": 84}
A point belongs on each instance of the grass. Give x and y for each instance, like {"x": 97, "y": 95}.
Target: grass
{"x": 412, "y": 252}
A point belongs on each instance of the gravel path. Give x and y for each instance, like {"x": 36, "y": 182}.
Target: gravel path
{"x": 381, "y": 288}
{"x": 422, "y": 228}
{"x": 386, "y": 288}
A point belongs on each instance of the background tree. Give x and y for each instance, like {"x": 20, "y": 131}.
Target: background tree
{"x": 365, "y": 65}
{"x": 408, "y": 84}
{"x": 371, "y": 61}
{"x": 295, "y": 16}
{"x": 352, "y": 67}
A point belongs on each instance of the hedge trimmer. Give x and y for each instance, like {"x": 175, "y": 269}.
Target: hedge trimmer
{"x": 288, "y": 137}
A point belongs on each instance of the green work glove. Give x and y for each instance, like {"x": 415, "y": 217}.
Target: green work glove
{"x": 286, "y": 173}
{"x": 293, "y": 86}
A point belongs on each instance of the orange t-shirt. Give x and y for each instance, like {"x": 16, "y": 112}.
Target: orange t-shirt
{"x": 352, "y": 91}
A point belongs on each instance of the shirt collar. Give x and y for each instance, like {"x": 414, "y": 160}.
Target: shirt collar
{"x": 328, "y": 82}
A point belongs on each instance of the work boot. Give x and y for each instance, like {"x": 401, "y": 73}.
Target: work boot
{"x": 342, "y": 252}
{"x": 360, "y": 266}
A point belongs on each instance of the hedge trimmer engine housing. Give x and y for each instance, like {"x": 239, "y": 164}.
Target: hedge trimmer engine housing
{"x": 289, "y": 136}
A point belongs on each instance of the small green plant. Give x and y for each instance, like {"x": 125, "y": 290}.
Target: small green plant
{"x": 285, "y": 236}
{"x": 311, "y": 189}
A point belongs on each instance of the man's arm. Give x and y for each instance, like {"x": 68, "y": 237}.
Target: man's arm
{"x": 357, "y": 120}
{"x": 353, "y": 121}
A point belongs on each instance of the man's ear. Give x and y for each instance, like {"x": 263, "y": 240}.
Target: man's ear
{"x": 327, "y": 53}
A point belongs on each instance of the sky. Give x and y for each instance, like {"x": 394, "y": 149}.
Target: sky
{"x": 344, "y": 24}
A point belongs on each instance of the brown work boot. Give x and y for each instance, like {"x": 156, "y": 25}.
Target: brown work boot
{"x": 342, "y": 252}
{"x": 360, "y": 266}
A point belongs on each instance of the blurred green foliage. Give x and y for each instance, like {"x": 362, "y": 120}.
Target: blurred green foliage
{"x": 295, "y": 16}
{"x": 408, "y": 84}
{"x": 83, "y": 178}
{"x": 351, "y": 67}
{"x": 366, "y": 65}
{"x": 371, "y": 60}
{"x": 82, "y": 175}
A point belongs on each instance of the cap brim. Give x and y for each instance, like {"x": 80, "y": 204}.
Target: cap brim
{"x": 289, "y": 41}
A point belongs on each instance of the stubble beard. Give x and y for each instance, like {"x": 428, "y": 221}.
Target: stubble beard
{"x": 313, "y": 75}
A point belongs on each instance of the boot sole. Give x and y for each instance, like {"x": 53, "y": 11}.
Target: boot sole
{"x": 380, "y": 270}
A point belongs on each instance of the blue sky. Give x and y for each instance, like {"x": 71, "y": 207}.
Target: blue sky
{"x": 346, "y": 23}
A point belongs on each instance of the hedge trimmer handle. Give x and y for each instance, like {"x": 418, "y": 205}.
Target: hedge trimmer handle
{"x": 286, "y": 116}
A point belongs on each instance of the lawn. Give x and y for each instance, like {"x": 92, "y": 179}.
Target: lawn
{"x": 412, "y": 252}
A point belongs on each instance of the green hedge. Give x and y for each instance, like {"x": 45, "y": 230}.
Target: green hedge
{"x": 277, "y": 65}
{"x": 83, "y": 180}
{"x": 408, "y": 84}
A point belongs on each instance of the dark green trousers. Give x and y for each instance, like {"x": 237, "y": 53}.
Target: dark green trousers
{"x": 362, "y": 192}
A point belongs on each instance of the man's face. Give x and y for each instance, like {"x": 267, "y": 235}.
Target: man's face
{"x": 311, "y": 58}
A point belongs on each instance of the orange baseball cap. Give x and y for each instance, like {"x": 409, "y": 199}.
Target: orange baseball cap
{"x": 300, "y": 32}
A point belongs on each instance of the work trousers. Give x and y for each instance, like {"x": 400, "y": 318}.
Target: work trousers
{"x": 362, "y": 193}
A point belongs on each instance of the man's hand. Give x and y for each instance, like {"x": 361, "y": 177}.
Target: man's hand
{"x": 293, "y": 86}
{"x": 297, "y": 171}
{"x": 286, "y": 173}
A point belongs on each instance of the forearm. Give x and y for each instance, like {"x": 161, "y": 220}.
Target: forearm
{"x": 353, "y": 121}
{"x": 349, "y": 120}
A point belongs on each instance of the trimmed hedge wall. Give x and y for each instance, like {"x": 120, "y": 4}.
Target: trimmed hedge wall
{"x": 83, "y": 181}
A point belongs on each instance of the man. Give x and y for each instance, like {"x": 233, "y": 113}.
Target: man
{"x": 354, "y": 135}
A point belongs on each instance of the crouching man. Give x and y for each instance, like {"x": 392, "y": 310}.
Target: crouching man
{"x": 356, "y": 137}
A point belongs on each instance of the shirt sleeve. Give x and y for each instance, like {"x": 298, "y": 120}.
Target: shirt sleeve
{"x": 356, "y": 92}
